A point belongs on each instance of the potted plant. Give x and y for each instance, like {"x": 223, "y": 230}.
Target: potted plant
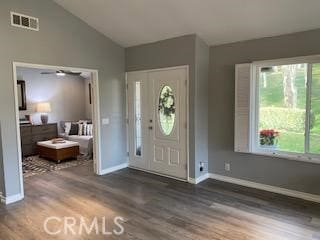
{"x": 269, "y": 138}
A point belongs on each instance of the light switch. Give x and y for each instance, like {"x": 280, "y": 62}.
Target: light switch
{"x": 105, "y": 121}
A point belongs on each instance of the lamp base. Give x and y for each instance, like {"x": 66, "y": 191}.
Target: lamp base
{"x": 44, "y": 118}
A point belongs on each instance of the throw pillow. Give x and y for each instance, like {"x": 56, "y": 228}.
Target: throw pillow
{"x": 67, "y": 127}
{"x": 82, "y": 129}
{"x": 80, "y": 132}
{"x": 89, "y": 129}
{"x": 74, "y": 129}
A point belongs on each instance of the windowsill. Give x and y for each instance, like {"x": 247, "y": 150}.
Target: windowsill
{"x": 288, "y": 156}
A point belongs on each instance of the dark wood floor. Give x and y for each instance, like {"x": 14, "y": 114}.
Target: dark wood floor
{"x": 154, "y": 207}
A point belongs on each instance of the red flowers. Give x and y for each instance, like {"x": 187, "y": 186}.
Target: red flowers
{"x": 268, "y": 137}
{"x": 269, "y": 133}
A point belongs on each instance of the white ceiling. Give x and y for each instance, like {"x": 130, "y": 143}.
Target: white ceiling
{"x": 134, "y": 22}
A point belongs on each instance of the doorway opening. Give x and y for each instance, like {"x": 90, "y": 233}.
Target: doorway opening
{"x": 57, "y": 118}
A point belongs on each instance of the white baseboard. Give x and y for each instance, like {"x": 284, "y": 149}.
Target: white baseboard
{"x": 260, "y": 186}
{"x": 283, "y": 191}
{"x": 11, "y": 199}
{"x": 198, "y": 179}
{"x": 113, "y": 169}
{"x": 2, "y": 198}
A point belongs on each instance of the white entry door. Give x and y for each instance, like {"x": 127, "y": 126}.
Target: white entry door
{"x": 157, "y": 111}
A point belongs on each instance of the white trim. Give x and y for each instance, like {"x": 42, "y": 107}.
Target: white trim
{"x": 114, "y": 169}
{"x": 199, "y": 179}
{"x": 308, "y": 158}
{"x": 11, "y": 199}
{"x": 255, "y": 108}
{"x": 97, "y": 122}
{"x": 186, "y": 67}
{"x": 308, "y": 108}
{"x": 260, "y": 186}
{"x": 53, "y": 67}
{"x": 127, "y": 117}
{"x": 254, "y": 94}
{"x": 255, "y": 148}
{"x": 2, "y": 198}
{"x": 188, "y": 122}
{"x": 96, "y": 114}
{"x": 240, "y": 112}
{"x": 161, "y": 69}
{"x": 15, "y": 86}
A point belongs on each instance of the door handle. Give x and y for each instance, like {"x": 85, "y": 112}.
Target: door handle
{"x": 150, "y": 127}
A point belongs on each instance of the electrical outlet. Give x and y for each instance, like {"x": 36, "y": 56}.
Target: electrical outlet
{"x": 105, "y": 121}
{"x": 227, "y": 167}
{"x": 201, "y": 165}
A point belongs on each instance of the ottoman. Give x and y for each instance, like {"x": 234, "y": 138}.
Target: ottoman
{"x": 58, "y": 151}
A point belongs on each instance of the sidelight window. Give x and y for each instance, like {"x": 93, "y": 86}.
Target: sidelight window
{"x": 137, "y": 118}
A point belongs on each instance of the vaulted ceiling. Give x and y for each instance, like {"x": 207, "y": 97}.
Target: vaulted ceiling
{"x": 134, "y": 22}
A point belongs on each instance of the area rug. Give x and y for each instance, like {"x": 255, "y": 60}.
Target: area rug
{"x": 35, "y": 165}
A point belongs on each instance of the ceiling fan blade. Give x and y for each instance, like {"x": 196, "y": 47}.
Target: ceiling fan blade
{"x": 72, "y": 73}
{"x": 65, "y": 72}
{"x": 48, "y": 72}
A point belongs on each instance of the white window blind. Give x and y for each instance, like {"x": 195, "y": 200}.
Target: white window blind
{"x": 243, "y": 73}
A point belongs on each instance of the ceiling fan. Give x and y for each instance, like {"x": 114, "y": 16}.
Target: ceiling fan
{"x": 63, "y": 73}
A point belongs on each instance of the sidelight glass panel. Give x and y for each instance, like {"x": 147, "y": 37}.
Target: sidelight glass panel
{"x": 137, "y": 118}
{"x": 166, "y": 110}
{"x": 314, "y": 146}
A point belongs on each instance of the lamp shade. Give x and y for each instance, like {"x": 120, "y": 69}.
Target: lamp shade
{"x": 44, "y": 107}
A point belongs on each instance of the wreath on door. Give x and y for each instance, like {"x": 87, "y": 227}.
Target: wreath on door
{"x": 166, "y": 102}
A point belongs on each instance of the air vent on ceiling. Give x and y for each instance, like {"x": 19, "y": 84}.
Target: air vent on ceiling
{"x": 24, "y": 21}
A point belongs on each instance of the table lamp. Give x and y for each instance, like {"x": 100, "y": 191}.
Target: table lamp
{"x": 44, "y": 108}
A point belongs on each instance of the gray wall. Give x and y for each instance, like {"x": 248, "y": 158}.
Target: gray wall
{"x": 176, "y": 52}
{"x": 63, "y": 40}
{"x": 201, "y": 106}
{"x": 168, "y": 53}
{"x": 294, "y": 175}
{"x": 66, "y": 95}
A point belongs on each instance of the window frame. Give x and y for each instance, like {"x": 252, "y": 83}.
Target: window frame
{"x": 254, "y": 106}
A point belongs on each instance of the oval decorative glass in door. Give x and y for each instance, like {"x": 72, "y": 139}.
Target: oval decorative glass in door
{"x": 166, "y": 110}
